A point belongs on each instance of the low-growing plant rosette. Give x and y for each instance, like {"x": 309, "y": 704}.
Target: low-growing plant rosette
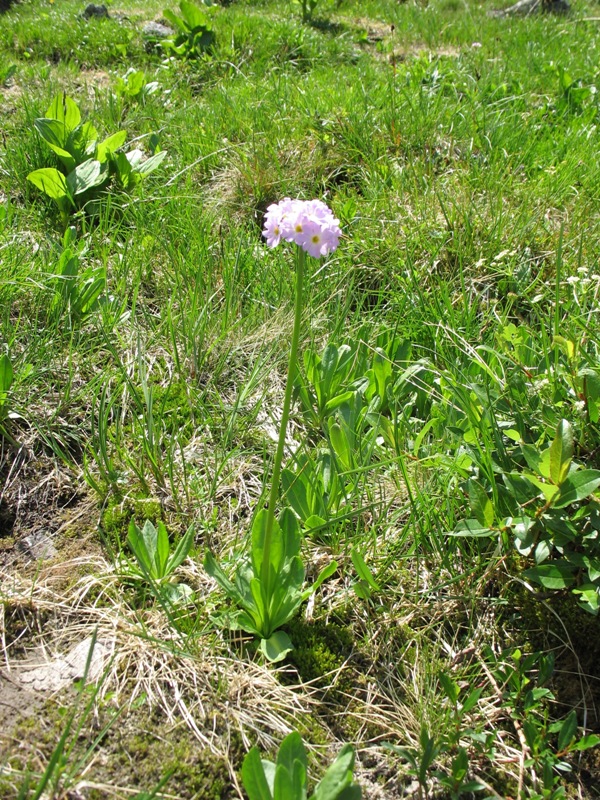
{"x": 308, "y": 223}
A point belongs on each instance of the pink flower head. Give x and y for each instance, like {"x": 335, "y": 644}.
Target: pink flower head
{"x": 308, "y": 223}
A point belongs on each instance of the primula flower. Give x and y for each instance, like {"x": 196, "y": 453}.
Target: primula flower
{"x": 308, "y": 223}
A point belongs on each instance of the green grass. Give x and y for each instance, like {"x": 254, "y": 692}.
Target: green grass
{"x": 465, "y": 176}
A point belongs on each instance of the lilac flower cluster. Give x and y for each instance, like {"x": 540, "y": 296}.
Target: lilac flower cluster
{"x": 308, "y": 223}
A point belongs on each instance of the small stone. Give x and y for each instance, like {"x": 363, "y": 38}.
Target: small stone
{"x": 92, "y": 10}
{"x": 156, "y": 30}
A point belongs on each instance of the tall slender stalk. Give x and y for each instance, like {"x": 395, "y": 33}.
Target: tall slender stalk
{"x": 285, "y": 413}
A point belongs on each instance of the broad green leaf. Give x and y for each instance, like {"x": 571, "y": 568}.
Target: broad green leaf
{"x": 110, "y": 145}
{"x": 193, "y": 15}
{"x": 89, "y": 294}
{"x": 6, "y": 374}
{"x": 294, "y": 488}
{"x": 215, "y": 571}
{"x": 257, "y": 534}
{"x": 276, "y": 647}
{"x": 253, "y": 777}
{"x": 134, "y": 157}
{"x": 283, "y": 784}
{"x": 269, "y": 768}
{"x": 139, "y": 546}
{"x": 135, "y": 82}
{"x": 591, "y": 392}
{"x": 245, "y": 621}
{"x": 481, "y": 505}
{"x": 472, "y": 700}
{"x": 450, "y": 687}
{"x": 551, "y": 576}
{"x": 363, "y": 571}
{"x": 538, "y": 461}
{"x": 150, "y": 164}
{"x": 51, "y": 182}
{"x": 589, "y": 597}
{"x": 314, "y": 521}
{"x": 329, "y": 363}
{"x": 577, "y": 487}
{"x": 123, "y": 167}
{"x": 472, "y": 527}
{"x": 285, "y": 605}
{"x": 337, "y": 401}
{"x": 340, "y": 444}
{"x": 171, "y": 17}
{"x": 337, "y": 777}
{"x": 561, "y": 452}
{"x": 182, "y": 550}
{"x": 163, "y": 549}
{"x": 257, "y": 589}
{"x": 292, "y": 749}
{"x": 56, "y": 136}
{"x": 86, "y": 176}
{"x": 549, "y": 490}
{"x": 65, "y": 110}
{"x": 566, "y": 345}
{"x": 567, "y": 731}
{"x": 82, "y": 141}
{"x": 586, "y": 742}
{"x": 149, "y": 536}
{"x": 291, "y": 536}
{"x": 353, "y": 792}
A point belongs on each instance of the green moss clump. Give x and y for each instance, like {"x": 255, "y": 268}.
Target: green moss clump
{"x": 319, "y": 649}
{"x": 138, "y": 751}
{"x": 117, "y": 516}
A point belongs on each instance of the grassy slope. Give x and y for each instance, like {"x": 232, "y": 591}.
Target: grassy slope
{"x": 456, "y": 173}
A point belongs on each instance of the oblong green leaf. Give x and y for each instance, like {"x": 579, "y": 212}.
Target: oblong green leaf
{"x": 362, "y": 570}
{"x": 65, "y": 110}
{"x": 51, "y": 182}
{"x": 577, "y": 486}
{"x": 182, "y": 549}
{"x": 150, "y": 164}
{"x": 6, "y": 374}
{"x": 471, "y": 527}
{"x": 53, "y": 132}
{"x": 109, "y": 145}
{"x": 86, "y": 176}
{"x": 292, "y": 749}
{"x": 276, "y": 647}
{"x": 561, "y": 452}
{"x": 551, "y": 576}
{"x": 253, "y": 777}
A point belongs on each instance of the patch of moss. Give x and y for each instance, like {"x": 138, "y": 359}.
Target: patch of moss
{"x": 137, "y": 752}
{"x": 319, "y": 649}
{"x": 118, "y": 514}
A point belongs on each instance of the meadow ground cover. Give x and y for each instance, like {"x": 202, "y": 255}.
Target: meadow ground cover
{"x": 440, "y": 468}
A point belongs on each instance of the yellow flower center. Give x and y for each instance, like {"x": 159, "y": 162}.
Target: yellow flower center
{"x": 315, "y": 239}
{"x": 298, "y": 228}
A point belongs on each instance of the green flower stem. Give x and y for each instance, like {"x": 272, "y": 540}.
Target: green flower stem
{"x": 285, "y": 413}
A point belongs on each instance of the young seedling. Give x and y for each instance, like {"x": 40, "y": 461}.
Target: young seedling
{"x": 155, "y": 562}
{"x": 287, "y": 778}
